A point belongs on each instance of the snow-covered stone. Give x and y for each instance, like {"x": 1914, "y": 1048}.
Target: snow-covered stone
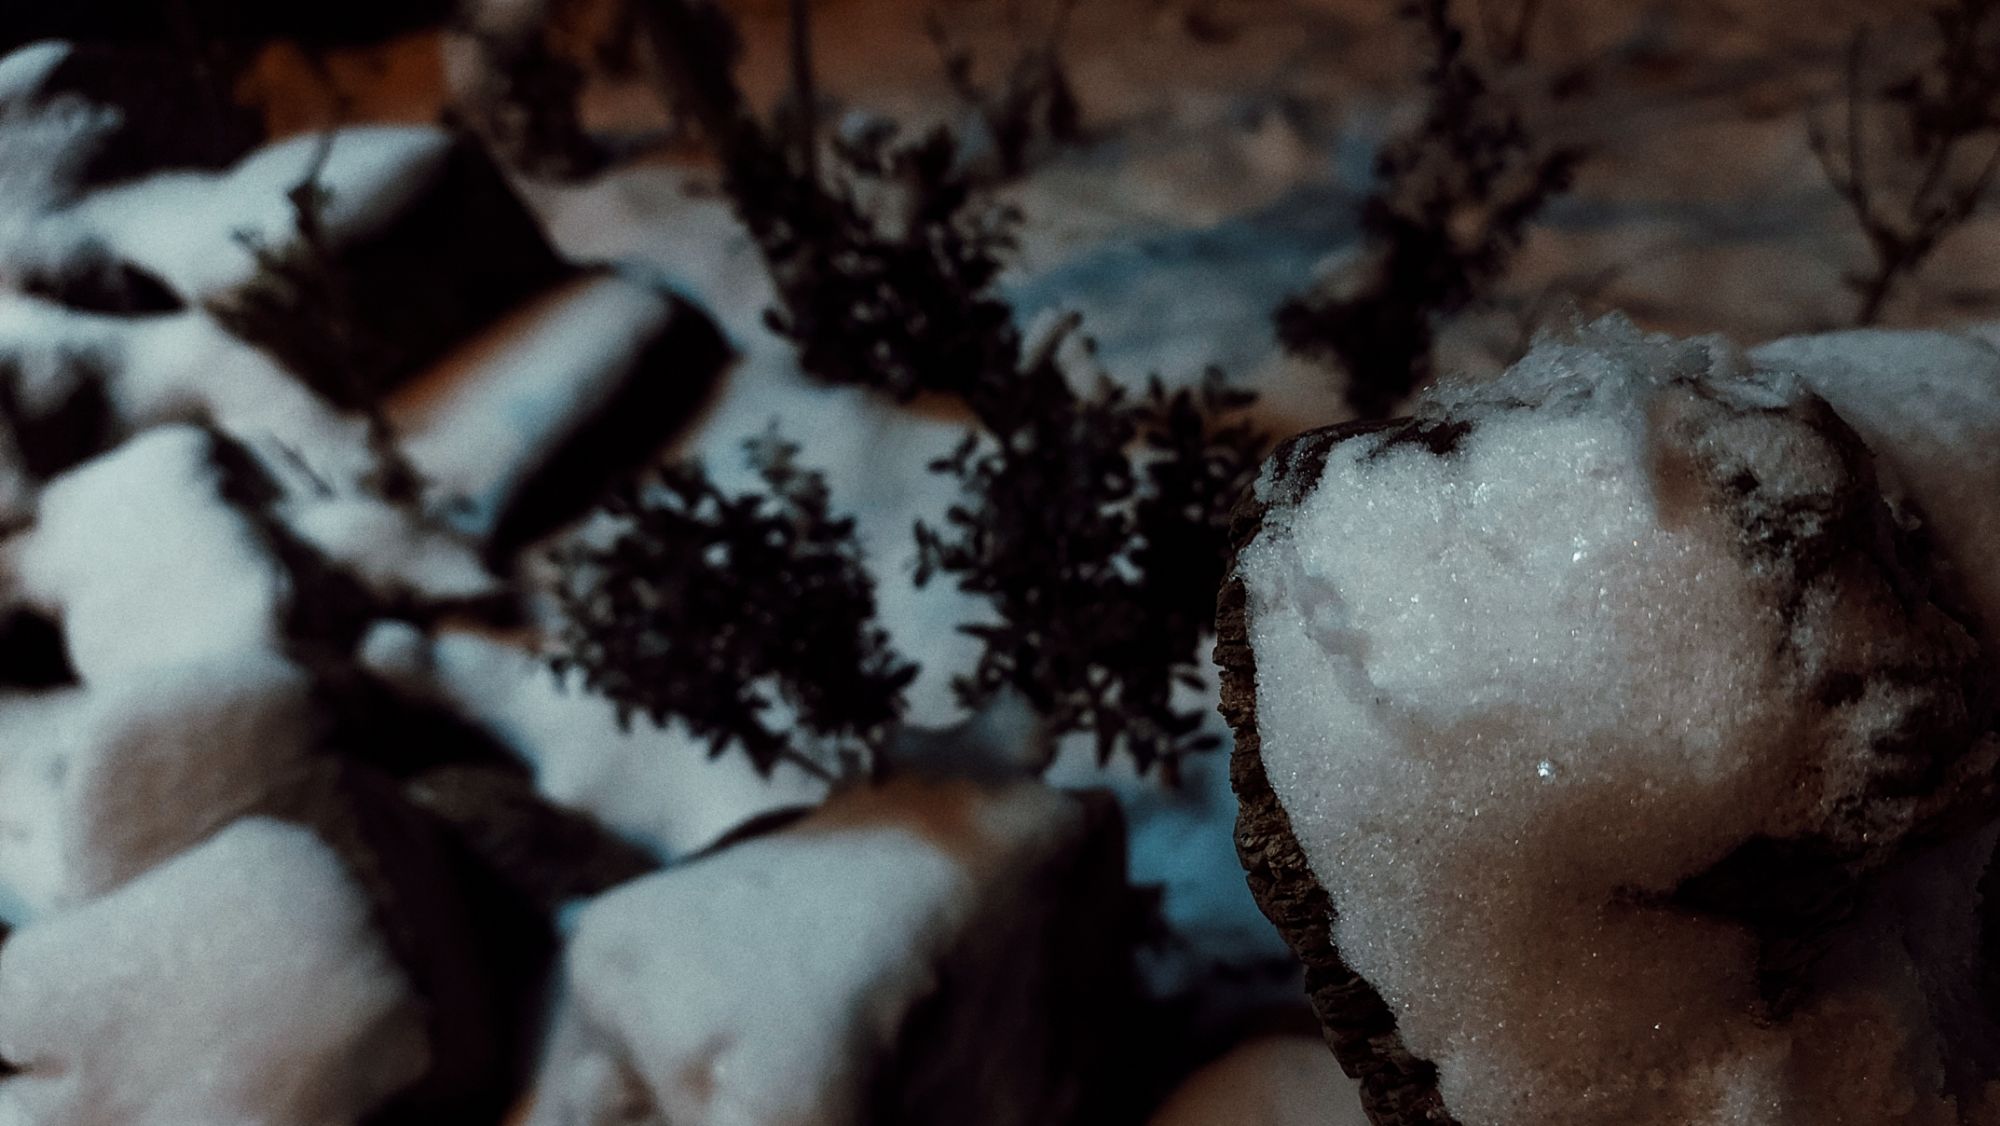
{"x": 103, "y": 784}
{"x": 179, "y": 368}
{"x": 1595, "y": 697}
{"x": 369, "y": 173}
{"x": 145, "y": 564}
{"x": 916, "y": 953}
{"x": 523, "y": 426}
{"x": 240, "y": 983}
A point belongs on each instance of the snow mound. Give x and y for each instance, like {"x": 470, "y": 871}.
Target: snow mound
{"x": 1563, "y": 683}
{"x": 240, "y": 983}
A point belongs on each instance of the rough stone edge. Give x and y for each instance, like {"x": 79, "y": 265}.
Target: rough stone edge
{"x": 1397, "y": 1087}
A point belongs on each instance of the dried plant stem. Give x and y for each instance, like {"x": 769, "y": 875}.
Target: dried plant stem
{"x": 1945, "y": 112}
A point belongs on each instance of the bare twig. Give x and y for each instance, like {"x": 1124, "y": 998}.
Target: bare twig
{"x": 1506, "y": 41}
{"x": 1452, "y": 205}
{"x": 1945, "y": 112}
{"x": 1033, "y": 102}
{"x": 804, "y": 94}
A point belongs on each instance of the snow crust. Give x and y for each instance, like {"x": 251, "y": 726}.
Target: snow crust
{"x": 1513, "y": 694}
{"x": 241, "y": 983}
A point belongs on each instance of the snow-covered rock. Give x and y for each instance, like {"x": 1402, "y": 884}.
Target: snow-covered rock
{"x": 103, "y": 784}
{"x": 523, "y": 426}
{"x": 178, "y": 368}
{"x": 240, "y": 983}
{"x": 923, "y": 954}
{"x": 1597, "y": 697}
{"x": 370, "y": 174}
{"x": 145, "y": 564}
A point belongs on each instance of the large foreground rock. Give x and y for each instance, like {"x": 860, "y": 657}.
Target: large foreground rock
{"x": 934, "y": 954}
{"x": 1614, "y": 744}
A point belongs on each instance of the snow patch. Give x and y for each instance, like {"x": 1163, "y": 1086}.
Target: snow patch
{"x": 655, "y": 786}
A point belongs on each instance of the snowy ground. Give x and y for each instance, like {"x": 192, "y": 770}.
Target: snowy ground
{"x": 1226, "y": 147}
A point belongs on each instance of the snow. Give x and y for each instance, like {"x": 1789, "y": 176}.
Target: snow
{"x": 476, "y": 425}
{"x": 1213, "y": 175}
{"x": 185, "y": 367}
{"x": 873, "y": 452}
{"x": 398, "y": 554}
{"x": 25, "y": 69}
{"x": 42, "y": 147}
{"x": 196, "y": 230}
{"x": 145, "y": 564}
{"x": 241, "y": 983}
{"x": 105, "y": 783}
{"x": 1267, "y": 1081}
{"x": 656, "y": 786}
{"x": 39, "y": 735}
{"x": 1508, "y": 693}
{"x": 813, "y": 945}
